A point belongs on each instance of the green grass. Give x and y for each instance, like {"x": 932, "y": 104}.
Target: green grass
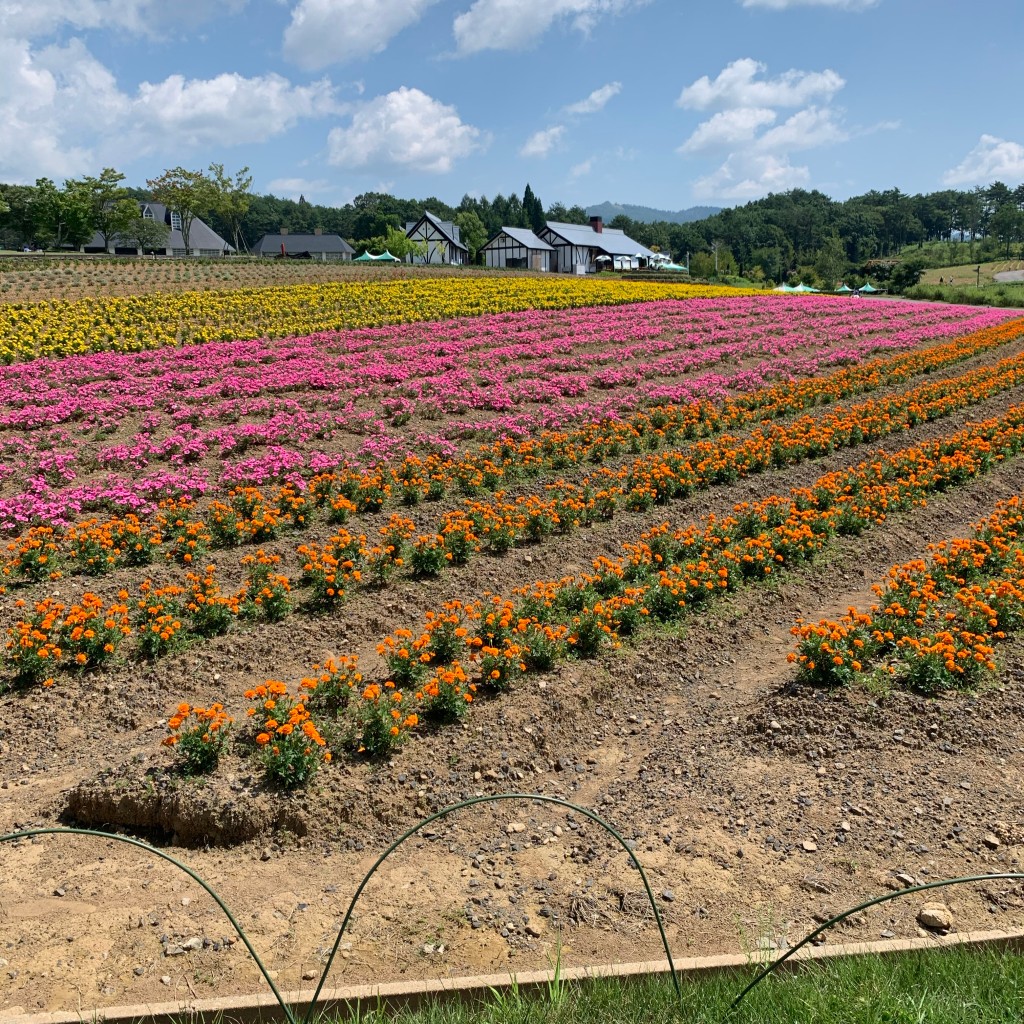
{"x": 992, "y": 294}
{"x": 952, "y": 986}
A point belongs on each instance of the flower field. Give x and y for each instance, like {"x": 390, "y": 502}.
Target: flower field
{"x": 134, "y": 323}
{"x": 295, "y": 564}
{"x": 121, "y": 432}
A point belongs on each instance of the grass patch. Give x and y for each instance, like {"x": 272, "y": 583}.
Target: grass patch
{"x": 1008, "y": 294}
{"x": 951, "y": 986}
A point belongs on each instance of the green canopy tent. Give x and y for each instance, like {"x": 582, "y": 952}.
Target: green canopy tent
{"x": 673, "y": 266}
{"x": 805, "y": 289}
{"x": 866, "y": 288}
{"x": 365, "y": 258}
{"x": 386, "y": 257}
{"x": 844, "y": 289}
{"x": 784, "y": 288}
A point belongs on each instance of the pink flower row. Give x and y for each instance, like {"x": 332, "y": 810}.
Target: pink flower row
{"x": 84, "y": 433}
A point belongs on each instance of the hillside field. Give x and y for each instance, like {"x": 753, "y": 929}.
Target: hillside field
{"x": 290, "y": 563}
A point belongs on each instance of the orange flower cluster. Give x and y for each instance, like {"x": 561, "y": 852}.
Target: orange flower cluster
{"x": 937, "y": 619}
{"x": 381, "y": 722}
{"x": 331, "y": 685}
{"x": 289, "y": 741}
{"x": 328, "y": 570}
{"x": 82, "y": 634}
{"x": 92, "y": 630}
{"x": 267, "y": 590}
{"x": 248, "y": 518}
{"x": 199, "y": 736}
{"x": 158, "y": 619}
{"x": 211, "y": 612}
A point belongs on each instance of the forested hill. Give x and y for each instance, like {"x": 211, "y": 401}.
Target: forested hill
{"x": 650, "y": 215}
{"x": 798, "y": 232}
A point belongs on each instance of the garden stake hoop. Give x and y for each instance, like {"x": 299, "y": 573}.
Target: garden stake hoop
{"x": 194, "y": 875}
{"x": 771, "y": 968}
{"x": 285, "y": 1008}
{"x": 496, "y": 799}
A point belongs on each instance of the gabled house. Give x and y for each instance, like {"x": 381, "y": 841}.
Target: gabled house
{"x": 203, "y": 240}
{"x": 519, "y": 248}
{"x": 316, "y": 246}
{"x": 583, "y": 248}
{"x": 442, "y": 238}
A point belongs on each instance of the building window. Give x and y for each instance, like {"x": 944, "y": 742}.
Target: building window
{"x": 175, "y": 220}
{"x": 147, "y": 213}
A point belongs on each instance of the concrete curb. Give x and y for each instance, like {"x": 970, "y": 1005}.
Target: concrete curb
{"x": 399, "y": 995}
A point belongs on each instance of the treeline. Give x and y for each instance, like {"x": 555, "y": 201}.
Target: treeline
{"x": 45, "y": 215}
{"x": 787, "y": 235}
{"x": 806, "y": 234}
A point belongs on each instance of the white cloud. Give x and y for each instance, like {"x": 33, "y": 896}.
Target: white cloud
{"x": 405, "y": 128}
{"x": 746, "y": 127}
{"x": 580, "y": 169}
{"x": 735, "y": 86}
{"x": 230, "y": 109}
{"x": 744, "y": 178}
{"x": 596, "y": 100}
{"x": 28, "y": 19}
{"x": 785, "y": 5}
{"x": 541, "y": 143}
{"x": 992, "y": 159}
{"x": 516, "y": 24}
{"x": 64, "y": 114}
{"x": 806, "y": 129}
{"x": 727, "y": 128}
{"x": 324, "y": 32}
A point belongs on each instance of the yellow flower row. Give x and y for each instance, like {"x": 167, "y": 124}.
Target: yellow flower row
{"x": 140, "y": 322}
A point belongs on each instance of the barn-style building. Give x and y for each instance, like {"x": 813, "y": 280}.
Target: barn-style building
{"x": 442, "y": 238}
{"x": 316, "y": 246}
{"x": 584, "y": 248}
{"x": 518, "y": 248}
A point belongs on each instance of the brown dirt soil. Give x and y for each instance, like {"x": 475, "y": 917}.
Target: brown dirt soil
{"x": 756, "y": 806}
{"x": 37, "y": 278}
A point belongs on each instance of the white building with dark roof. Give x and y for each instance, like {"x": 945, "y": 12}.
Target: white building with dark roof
{"x": 583, "y": 248}
{"x": 441, "y": 237}
{"x": 316, "y": 246}
{"x": 518, "y": 248}
{"x": 203, "y": 240}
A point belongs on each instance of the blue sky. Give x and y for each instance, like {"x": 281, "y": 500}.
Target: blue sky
{"x": 666, "y": 103}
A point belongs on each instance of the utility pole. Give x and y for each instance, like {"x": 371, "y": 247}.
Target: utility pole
{"x": 977, "y": 271}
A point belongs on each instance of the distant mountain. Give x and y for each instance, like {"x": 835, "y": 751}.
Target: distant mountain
{"x": 647, "y": 214}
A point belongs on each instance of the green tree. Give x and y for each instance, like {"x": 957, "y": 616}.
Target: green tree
{"x": 830, "y": 263}
{"x": 186, "y": 193}
{"x": 233, "y": 199}
{"x": 906, "y": 274}
{"x": 702, "y": 264}
{"x": 567, "y": 214}
{"x": 62, "y": 216}
{"x": 472, "y": 231}
{"x": 533, "y": 209}
{"x": 143, "y": 233}
{"x": 112, "y": 208}
{"x": 1007, "y": 226}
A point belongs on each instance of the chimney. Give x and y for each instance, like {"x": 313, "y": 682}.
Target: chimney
{"x": 597, "y": 223}
{"x": 283, "y": 231}
{"x": 318, "y": 231}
